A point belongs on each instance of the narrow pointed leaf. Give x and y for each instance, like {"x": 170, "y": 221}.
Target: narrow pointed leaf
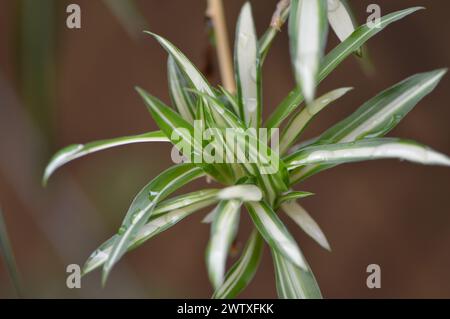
{"x": 340, "y": 19}
{"x": 299, "y": 122}
{"x": 292, "y": 195}
{"x": 377, "y": 116}
{"x": 382, "y": 113}
{"x": 294, "y": 282}
{"x": 186, "y": 66}
{"x": 301, "y": 217}
{"x": 223, "y": 232}
{"x": 179, "y": 130}
{"x": 308, "y": 28}
{"x": 243, "y": 271}
{"x": 266, "y": 166}
{"x": 181, "y": 98}
{"x": 72, "y": 152}
{"x": 246, "y": 193}
{"x": 232, "y": 101}
{"x": 166, "y": 215}
{"x": 248, "y": 73}
{"x": 143, "y": 206}
{"x": 274, "y": 232}
{"x": 332, "y": 60}
{"x": 368, "y": 149}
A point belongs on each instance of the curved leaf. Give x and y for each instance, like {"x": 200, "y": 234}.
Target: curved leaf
{"x": 367, "y": 149}
{"x": 223, "y": 232}
{"x": 143, "y": 206}
{"x": 72, "y": 152}
{"x": 299, "y": 122}
{"x": 292, "y": 195}
{"x": 197, "y": 79}
{"x": 301, "y": 217}
{"x": 377, "y": 116}
{"x": 332, "y": 60}
{"x": 181, "y": 98}
{"x": 274, "y": 232}
{"x": 243, "y": 271}
{"x": 164, "y": 216}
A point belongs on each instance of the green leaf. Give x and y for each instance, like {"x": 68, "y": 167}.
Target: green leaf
{"x": 243, "y": 271}
{"x": 178, "y": 83}
{"x": 186, "y": 66}
{"x": 332, "y": 60}
{"x": 367, "y": 149}
{"x": 170, "y": 211}
{"x": 299, "y": 122}
{"x": 8, "y": 255}
{"x": 292, "y": 195}
{"x": 301, "y": 217}
{"x": 223, "y": 232}
{"x": 294, "y": 282}
{"x": 340, "y": 18}
{"x": 231, "y": 99}
{"x": 377, "y": 116}
{"x": 72, "y": 152}
{"x": 179, "y": 130}
{"x": 165, "y": 215}
{"x": 245, "y": 193}
{"x": 308, "y": 29}
{"x": 274, "y": 232}
{"x": 143, "y": 206}
{"x": 269, "y": 168}
{"x": 381, "y": 114}
{"x": 247, "y": 68}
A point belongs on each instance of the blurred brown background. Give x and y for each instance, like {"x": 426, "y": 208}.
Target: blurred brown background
{"x": 78, "y": 87}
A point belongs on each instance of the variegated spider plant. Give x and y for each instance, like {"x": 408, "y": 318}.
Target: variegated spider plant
{"x": 266, "y": 197}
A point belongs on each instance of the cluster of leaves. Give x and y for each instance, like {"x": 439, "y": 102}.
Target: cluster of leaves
{"x": 265, "y": 196}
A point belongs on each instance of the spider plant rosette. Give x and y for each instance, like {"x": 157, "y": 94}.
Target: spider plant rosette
{"x": 264, "y": 188}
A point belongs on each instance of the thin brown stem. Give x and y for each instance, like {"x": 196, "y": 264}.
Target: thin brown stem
{"x": 216, "y": 13}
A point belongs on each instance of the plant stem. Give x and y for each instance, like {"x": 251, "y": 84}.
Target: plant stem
{"x": 215, "y": 12}
{"x": 278, "y": 19}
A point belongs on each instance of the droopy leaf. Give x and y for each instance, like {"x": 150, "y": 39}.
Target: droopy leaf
{"x": 332, "y": 60}
{"x": 143, "y": 206}
{"x": 223, "y": 232}
{"x": 72, "y": 152}
{"x": 377, "y": 116}
{"x": 243, "y": 271}
{"x": 367, "y": 149}
{"x": 274, "y": 232}
{"x": 301, "y": 217}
